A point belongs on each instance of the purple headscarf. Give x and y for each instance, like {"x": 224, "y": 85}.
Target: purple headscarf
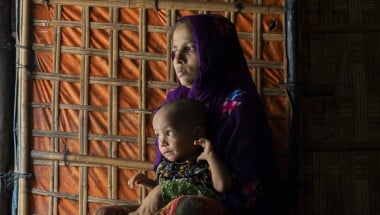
{"x": 238, "y": 127}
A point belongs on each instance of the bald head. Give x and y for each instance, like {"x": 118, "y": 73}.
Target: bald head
{"x": 184, "y": 112}
{"x": 177, "y": 125}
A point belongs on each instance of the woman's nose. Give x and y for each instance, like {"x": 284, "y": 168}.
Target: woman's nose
{"x": 180, "y": 58}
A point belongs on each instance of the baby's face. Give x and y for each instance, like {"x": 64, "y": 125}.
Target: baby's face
{"x": 175, "y": 141}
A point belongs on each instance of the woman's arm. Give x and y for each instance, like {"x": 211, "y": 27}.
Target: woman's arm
{"x": 152, "y": 202}
{"x": 221, "y": 178}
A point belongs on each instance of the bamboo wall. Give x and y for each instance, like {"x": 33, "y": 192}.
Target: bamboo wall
{"x": 339, "y": 70}
{"x": 101, "y": 67}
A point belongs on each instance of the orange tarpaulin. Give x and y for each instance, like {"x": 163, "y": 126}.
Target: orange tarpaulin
{"x": 100, "y": 72}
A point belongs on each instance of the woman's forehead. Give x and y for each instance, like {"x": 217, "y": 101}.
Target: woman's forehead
{"x": 183, "y": 32}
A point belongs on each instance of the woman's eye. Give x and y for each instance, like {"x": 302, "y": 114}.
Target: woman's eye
{"x": 184, "y": 50}
{"x": 190, "y": 48}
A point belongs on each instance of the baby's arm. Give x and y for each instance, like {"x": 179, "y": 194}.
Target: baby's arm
{"x": 141, "y": 180}
{"x": 221, "y": 178}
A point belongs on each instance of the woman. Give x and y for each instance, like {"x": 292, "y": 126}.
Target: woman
{"x": 211, "y": 68}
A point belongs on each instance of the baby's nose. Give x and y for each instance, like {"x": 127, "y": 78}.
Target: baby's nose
{"x": 162, "y": 142}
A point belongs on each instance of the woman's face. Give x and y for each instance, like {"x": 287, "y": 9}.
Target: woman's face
{"x": 184, "y": 55}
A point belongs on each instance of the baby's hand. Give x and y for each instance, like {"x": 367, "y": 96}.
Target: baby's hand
{"x": 138, "y": 179}
{"x": 207, "y": 148}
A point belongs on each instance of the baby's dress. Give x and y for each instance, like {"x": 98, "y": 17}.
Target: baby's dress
{"x": 184, "y": 178}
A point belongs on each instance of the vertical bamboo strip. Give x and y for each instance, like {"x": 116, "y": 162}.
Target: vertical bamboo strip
{"x": 229, "y": 15}
{"x": 114, "y": 103}
{"x": 171, "y": 19}
{"x": 226, "y": 13}
{"x": 110, "y": 174}
{"x": 142, "y": 89}
{"x": 289, "y": 47}
{"x": 254, "y": 44}
{"x": 83, "y": 131}
{"x": 53, "y": 209}
{"x": 24, "y": 156}
{"x": 291, "y": 76}
{"x": 257, "y": 39}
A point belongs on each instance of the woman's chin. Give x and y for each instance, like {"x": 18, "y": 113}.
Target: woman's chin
{"x": 186, "y": 84}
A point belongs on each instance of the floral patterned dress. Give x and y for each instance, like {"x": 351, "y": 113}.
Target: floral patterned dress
{"x": 184, "y": 178}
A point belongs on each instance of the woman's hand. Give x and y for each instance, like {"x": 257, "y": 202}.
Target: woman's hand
{"x": 152, "y": 202}
{"x": 141, "y": 180}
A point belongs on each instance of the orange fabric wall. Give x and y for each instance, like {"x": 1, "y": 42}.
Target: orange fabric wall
{"x": 100, "y": 72}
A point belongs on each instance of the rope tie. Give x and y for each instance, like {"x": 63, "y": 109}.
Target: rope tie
{"x": 156, "y": 5}
{"x": 238, "y": 5}
{"x": 10, "y": 177}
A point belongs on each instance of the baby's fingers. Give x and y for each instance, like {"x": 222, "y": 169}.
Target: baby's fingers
{"x": 200, "y": 142}
{"x": 134, "y": 180}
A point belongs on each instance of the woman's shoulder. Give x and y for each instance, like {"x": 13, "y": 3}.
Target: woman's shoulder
{"x": 177, "y": 93}
{"x": 232, "y": 101}
{"x": 239, "y": 102}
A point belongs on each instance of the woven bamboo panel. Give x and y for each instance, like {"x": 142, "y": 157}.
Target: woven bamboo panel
{"x": 341, "y": 107}
{"x": 101, "y": 68}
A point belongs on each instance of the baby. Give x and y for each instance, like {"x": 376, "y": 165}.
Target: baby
{"x": 190, "y": 165}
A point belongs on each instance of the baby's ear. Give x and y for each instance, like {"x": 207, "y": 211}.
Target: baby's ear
{"x": 200, "y": 131}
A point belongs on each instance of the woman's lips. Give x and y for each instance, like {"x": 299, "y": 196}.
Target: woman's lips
{"x": 180, "y": 71}
{"x": 180, "y": 74}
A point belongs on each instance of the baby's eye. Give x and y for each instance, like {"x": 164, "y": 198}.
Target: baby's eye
{"x": 169, "y": 133}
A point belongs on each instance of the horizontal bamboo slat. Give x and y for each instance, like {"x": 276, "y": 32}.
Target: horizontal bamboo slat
{"x": 76, "y": 197}
{"x": 172, "y": 5}
{"x": 88, "y": 159}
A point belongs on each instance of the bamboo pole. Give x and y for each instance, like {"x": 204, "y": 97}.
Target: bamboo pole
{"x": 258, "y": 49}
{"x": 292, "y": 89}
{"x": 6, "y": 101}
{"x": 174, "y": 5}
{"x": 84, "y": 100}
{"x": 54, "y": 177}
{"x": 23, "y": 96}
{"x": 91, "y": 160}
{"x": 142, "y": 89}
{"x": 113, "y": 108}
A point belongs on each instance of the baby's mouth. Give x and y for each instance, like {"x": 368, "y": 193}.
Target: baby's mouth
{"x": 167, "y": 153}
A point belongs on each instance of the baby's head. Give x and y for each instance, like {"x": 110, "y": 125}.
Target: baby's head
{"x": 177, "y": 124}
